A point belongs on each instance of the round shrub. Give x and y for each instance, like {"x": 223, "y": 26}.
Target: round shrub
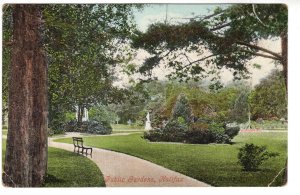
{"x": 96, "y": 127}
{"x": 174, "y": 132}
{"x": 251, "y": 156}
{"x": 222, "y": 139}
{"x": 153, "y": 135}
{"x": 217, "y": 133}
{"x": 198, "y": 133}
{"x": 232, "y": 131}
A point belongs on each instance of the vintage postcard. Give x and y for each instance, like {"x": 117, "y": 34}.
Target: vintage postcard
{"x": 145, "y": 95}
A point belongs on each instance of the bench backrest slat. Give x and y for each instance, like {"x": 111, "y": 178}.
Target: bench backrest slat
{"x": 77, "y": 141}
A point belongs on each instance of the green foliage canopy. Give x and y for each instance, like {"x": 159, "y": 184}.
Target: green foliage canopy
{"x": 268, "y": 99}
{"x": 226, "y": 38}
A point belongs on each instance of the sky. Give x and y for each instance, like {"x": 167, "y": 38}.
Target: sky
{"x": 157, "y": 12}
{"x": 175, "y": 12}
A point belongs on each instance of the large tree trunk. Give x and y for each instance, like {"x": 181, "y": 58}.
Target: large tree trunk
{"x": 80, "y": 114}
{"x": 26, "y": 148}
{"x": 284, "y": 53}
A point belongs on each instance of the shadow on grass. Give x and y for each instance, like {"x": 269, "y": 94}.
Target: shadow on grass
{"x": 52, "y": 179}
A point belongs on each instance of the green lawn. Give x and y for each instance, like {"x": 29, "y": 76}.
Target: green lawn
{"x": 67, "y": 169}
{"x": 272, "y": 125}
{"x": 126, "y": 128}
{"x": 215, "y": 164}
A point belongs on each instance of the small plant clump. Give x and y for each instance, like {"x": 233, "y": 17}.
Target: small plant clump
{"x": 251, "y": 156}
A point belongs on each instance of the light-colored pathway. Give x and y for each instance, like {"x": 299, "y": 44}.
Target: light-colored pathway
{"x": 121, "y": 170}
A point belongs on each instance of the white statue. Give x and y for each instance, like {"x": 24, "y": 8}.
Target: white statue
{"x": 148, "y": 122}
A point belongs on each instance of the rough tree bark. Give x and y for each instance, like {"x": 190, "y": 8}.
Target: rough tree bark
{"x": 26, "y": 149}
{"x": 284, "y": 53}
{"x": 80, "y": 113}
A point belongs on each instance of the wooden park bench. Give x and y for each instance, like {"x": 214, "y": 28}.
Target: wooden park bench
{"x": 78, "y": 143}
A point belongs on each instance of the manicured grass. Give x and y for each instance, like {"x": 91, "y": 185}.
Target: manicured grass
{"x": 67, "y": 169}
{"x": 114, "y": 132}
{"x": 272, "y": 125}
{"x": 125, "y": 128}
{"x": 215, "y": 164}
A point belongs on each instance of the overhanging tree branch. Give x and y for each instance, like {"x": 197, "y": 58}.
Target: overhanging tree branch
{"x": 261, "y": 55}
{"x": 278, "y": 57}
{"x": 220, "y": 27}
{"x": 202, "y": 18}
{"x": 202, "y": 59}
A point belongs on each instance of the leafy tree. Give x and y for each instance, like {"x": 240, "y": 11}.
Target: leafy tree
{"x": 227, "y": 38}
{"x": 84, "y": 43}
{"x": 6, "y": 53}
{"x": 206, "y": 104}
{"x": 268, "y": 99}
{"x": 182, "y": 109}
{"x": 102, "y": 113}
{"x": 135, "y": 100}
{"x": 240, "y": 112}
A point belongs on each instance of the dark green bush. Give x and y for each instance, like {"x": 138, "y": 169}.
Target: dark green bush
{"x": 71, "y": 126}
{"x": 232, "y": 131}
{"x": 195, "y": 133}
{"x": 56, "y": 126}
{"x": 251, "y": 156}
{"x": 221, "y": 139}
{"x": 93, "y": 127}
{"x": 198, "y": 133}
{"x": 96, "y": 127}
{"x": 153, "y": 135}
{"x": 174, "y": 132}
{"x": 217, "y": 133}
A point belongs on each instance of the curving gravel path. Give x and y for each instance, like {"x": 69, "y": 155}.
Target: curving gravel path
{"x": 122, "y": 170}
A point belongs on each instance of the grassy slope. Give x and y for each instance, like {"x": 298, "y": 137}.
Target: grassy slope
{"x": 67, "y": 169}
{"x": 214, "y": 164}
